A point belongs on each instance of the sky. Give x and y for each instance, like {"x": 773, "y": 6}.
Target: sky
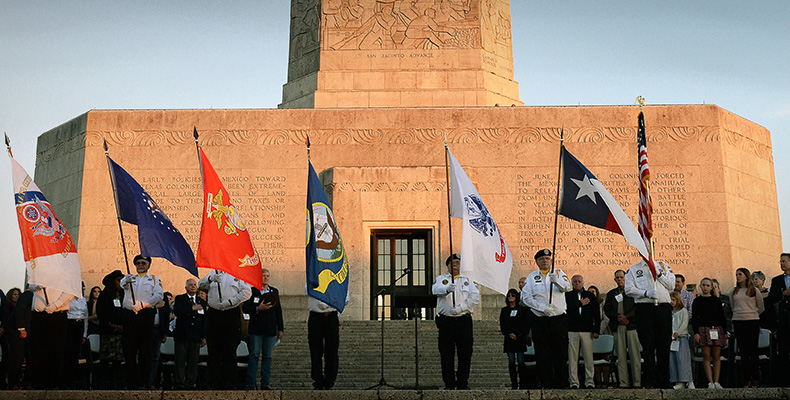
{"x": 60, "y": 59}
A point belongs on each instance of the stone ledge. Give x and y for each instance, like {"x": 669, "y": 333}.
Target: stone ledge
{"x": 613, "y": 394}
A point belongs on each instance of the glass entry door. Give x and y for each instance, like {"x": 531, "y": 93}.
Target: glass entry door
{"x": 393, "y": 251}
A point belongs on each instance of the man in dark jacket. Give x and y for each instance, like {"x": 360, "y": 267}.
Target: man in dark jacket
{"x": 621, "y": 311}
{"x": 584, "y": 323}
{"x": 189, "y": 335}
{"x": 265, "y": 329}
{"x": 19, "y": 340}
{"x": 780, "y": 295}
{"x": 3, "y": 342}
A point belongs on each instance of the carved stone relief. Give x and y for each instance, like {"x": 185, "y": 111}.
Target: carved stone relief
{"x": 400, "y": 24}
{"x": 249, "y": 137}
{"x": 304, "y": 27}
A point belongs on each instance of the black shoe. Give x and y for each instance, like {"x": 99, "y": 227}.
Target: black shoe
{"x": 448, "y": 387}
{"x": 589, "y": 387}
{"x": 464, "y": 387}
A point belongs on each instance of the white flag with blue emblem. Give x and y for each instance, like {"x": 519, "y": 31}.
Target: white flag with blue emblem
{"x": 485, "y": 257}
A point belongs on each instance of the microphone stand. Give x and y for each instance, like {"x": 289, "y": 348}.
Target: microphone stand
{"x": 382, "y": 381}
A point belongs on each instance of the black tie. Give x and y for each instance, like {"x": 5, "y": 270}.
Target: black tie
{"x": 192, "y": 300}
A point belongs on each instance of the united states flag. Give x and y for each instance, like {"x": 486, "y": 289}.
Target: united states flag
{"x": 645, "y": 205}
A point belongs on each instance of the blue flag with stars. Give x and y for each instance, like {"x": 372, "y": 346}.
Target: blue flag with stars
{"x": 156, "y": 233}
{"x": 327, "y": 264}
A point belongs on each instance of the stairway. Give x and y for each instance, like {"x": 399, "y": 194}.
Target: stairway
{"x": 360, "y": 352}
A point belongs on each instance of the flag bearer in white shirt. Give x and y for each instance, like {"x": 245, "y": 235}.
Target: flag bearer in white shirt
{"x": 550, "y": 326}
{"x": 456, "y": 298}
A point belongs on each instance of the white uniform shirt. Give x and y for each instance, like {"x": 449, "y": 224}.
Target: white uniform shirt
{"x": 535, "y": 293}
{"x": 78, "y": 310}
{"x": 319, "y": 306}
{"x": 467, "y": 295}
{"x": 58, "y": 300}
{"x": 234, "y": 290}
{"x": 639, "y": 280}
{"x": 147, "y": 290}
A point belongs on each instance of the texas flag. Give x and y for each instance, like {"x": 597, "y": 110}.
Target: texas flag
{"x": 50, "y": 254}
{"x": 224, "y": 242}
{"x": 585, "y": 199}
{"x": 485, "y": 257}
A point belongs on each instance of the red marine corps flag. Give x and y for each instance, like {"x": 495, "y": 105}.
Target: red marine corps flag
{"x": 645, "y": 204}
{"x": 50, "y": 254}
{"x": 224, "y": 241}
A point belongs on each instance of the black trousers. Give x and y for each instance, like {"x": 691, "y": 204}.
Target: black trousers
{"x": 18, "y": 350}
{"x": 48, "y": 349}
{"x": 74, "y": 346}
{"x": 187, "y": 356}
{"x": 138, "y": 339}
{"x": 323, "y": 336}
{"x": 223, "y": 335}
{"x": 748, "y": 335}
{"x": 551, "y": 350}
{"x": 455, "y": 334}
{"x": 654, "y": 327}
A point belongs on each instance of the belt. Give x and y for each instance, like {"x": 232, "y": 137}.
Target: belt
{"x": 320, "y": 314}
{"x": 456, "y": 316}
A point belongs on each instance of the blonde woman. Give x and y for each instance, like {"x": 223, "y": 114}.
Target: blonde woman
{"x": 708, "y": 322}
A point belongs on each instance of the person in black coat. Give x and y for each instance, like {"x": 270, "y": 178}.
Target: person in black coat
{"x": 265, "y": 328}
{"x": 779, "y": 295}
{"x": 19, "y": 341}
{"x": 109, "y": 308}
{"x": 584, "y": 323}
{"x": 621, "y": 310}
{"x": 514, "y": 324}
{"x": 3, "y": 343}
{"x": 189, "y": 335}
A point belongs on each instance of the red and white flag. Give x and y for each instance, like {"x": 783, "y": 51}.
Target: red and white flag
{"x": 485, "y": 257}
{"x": 645, "y": 204}
{"x": 224, "y": 242}
{"x": 50, "y": 254}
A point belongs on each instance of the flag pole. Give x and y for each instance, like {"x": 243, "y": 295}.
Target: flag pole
{"x": 203, "y": 183}
{"x": 449, "y": 209}
{"x": 117, "y": 211}
{"x": 557, "y": 209}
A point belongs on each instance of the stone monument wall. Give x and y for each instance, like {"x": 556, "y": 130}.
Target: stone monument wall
{"x": 713, "y": 185}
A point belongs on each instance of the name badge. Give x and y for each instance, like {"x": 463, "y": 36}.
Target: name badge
{"x": 674, "y": 346}
{"x": 714, "y": 334}
{"x": 256, "y": 300}
{"x": 200, "y": 312}
{"x": 116, "y": 302}
{"x": 513, "y": 313}
{"x": 246, "y": 317}
{"x": 619, "y": 297}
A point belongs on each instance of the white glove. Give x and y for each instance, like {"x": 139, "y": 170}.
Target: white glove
{"x": 215, "y": 278}
{"x": 451, "y": 287}
{"x": 138, "y": 306}
{"x": 458, "y": 310}
{"x": 553, "y": 277}
{"x": 651, "y": 293}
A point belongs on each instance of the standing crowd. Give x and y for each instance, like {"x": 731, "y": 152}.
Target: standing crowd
{"x": 655, "y": 323}
{"x": 130, "y": 320}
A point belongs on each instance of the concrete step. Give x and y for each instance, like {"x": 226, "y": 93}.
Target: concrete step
{"x": 360, "y": 356}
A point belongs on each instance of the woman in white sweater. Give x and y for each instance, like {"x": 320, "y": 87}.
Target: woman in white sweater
{"x": 747, "y": 305}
